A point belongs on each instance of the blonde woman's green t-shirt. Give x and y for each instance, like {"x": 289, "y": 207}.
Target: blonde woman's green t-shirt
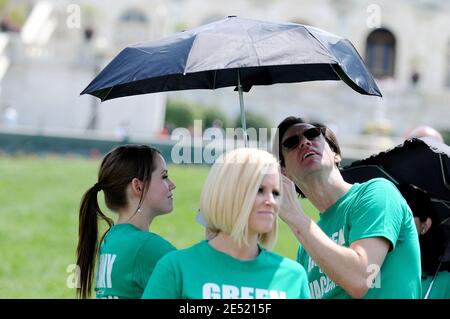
{"x": 202, "y": 272}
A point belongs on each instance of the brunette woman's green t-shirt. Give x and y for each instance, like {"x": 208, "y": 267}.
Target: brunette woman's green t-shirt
{"x": 126, "y": 260}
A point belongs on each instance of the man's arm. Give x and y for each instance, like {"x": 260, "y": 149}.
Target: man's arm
{"x": 348, "y": 267}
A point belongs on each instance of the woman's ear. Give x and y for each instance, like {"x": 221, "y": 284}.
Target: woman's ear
{"x": 136, "y": 186}
{"x": 425, "y": 226}
{"x": 337, "y": 159}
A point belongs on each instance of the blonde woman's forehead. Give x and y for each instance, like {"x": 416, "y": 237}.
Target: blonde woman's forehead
{"x": 272, "y": 179}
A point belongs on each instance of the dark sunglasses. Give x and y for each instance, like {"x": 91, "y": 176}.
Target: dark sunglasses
{"x": 294, "y": 141}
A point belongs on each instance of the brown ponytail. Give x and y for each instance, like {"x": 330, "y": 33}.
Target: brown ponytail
{"x": 88, "y": 243}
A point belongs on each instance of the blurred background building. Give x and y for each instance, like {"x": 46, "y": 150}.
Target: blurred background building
{"x": 51, "y": 50}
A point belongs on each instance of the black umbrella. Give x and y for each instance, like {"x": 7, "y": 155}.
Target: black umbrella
{"x": 420, "y": 168}
{"x": 233, "y": 52}
{"x": 422, "y": 162}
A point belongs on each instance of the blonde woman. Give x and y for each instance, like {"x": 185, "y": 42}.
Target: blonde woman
{"x": 239, "y": 202}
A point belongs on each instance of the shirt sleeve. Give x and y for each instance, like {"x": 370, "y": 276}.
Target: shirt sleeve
{"x": 300, "y": 254}
{"x": 378, "y": 212}
{"x": 304, "y": 290}
{"x": 152, "y": 250}
{"x": 164, "y": 282}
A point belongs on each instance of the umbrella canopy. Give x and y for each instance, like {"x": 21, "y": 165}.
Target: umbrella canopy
{"x": 420, "y": 168}
{"x": 233, "y": 52}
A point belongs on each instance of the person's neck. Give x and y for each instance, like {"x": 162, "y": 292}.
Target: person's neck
{"x": 141, "y": 220}
{"x": 323, "y": 189}
{"x": 224, "y": 243}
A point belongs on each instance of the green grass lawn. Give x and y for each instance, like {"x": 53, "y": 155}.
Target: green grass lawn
{"x": 39, "y": 200}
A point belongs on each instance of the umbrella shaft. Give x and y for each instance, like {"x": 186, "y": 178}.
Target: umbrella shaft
{"x": 241, "y": 103}
{"x": 432, "y": 282}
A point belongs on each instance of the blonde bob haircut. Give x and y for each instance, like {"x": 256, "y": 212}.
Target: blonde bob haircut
{"x": 230, "y": 191}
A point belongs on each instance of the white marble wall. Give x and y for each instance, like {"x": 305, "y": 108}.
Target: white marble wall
{"x": 44, "y": 89}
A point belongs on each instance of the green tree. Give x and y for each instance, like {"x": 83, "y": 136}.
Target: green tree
{"x": 18, "y": 15}
{"x": 446, "y": 136}
{"x": 255, "y": 121}
{"x": 179, "y": 114}
{"x": 212, "y": 114}
{"x": 3, "y": 7}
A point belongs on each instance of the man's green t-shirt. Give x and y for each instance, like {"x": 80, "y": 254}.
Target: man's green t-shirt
{"x": 127, "y": 257}
{"x": 371, "y": 209}
{"x": 441, "y": 285}
{"x": 202, "y": 272}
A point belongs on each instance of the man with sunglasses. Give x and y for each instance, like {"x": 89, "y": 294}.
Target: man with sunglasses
{"x": 365, "y": 244}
